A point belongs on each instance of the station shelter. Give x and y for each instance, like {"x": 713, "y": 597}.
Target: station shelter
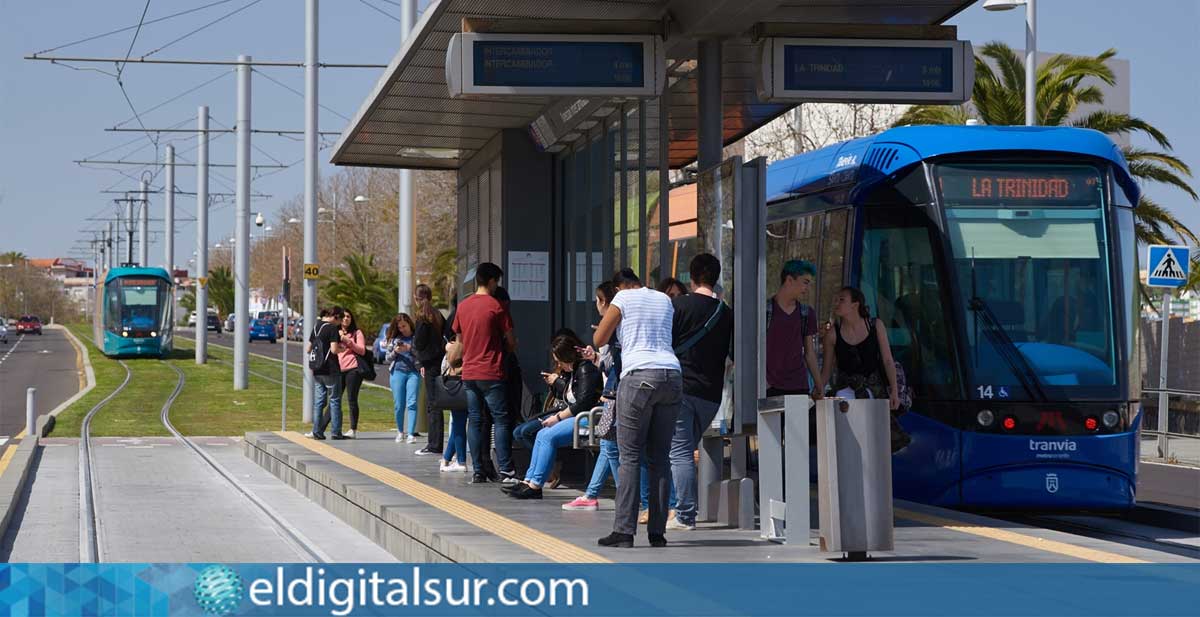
{"x": 561, "y": 190}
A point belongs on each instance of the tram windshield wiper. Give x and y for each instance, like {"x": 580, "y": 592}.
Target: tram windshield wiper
{"x": 1006, "y": 349}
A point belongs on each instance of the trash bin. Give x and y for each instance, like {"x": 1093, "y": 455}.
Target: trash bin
{"x": 854, "y": 476}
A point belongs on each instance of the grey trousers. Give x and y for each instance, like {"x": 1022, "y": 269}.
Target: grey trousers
{"x": 647, "y": 407}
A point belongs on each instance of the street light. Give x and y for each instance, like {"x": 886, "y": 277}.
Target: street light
{"x": 1030, "y": 50}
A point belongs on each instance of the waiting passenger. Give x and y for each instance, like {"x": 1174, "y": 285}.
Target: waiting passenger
{"x": 858, "y": 346}
{"x": 429, "y": 348}
{"x": 322, "y": 350}
{"x": 404, "y": 376}
{"x": 577, "y": 382}
{"x": 791, "y": 327}
{"x": 672, "y": 286}
{"x": 703, "y": 331}
{"x": 353, "y": 346}
{"x": 647, "y": 401}
{"x": 456, "y": 443}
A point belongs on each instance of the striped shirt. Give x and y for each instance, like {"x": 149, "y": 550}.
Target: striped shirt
{"x": 645, "y": 330}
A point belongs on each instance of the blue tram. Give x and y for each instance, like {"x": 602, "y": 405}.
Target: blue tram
{"x": 1002, "y": 262}
{"x": 134, "y": 314}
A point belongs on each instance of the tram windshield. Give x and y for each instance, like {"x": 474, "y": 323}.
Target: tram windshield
{"x": 1030, "y": 255}
{"x": 137, "y": 304}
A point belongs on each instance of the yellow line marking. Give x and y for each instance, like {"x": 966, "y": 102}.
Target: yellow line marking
{"x": 521, "y": 535}
{"x": 9, "y": 453}
{"x": 1012, "y": 537}
{"x": 20, "y": 436}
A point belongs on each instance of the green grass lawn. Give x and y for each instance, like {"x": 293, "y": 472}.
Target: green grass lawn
{"x": 208, "y": 404}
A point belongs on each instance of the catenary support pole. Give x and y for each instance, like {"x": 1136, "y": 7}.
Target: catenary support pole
{"x": 405, "y": 252}
{"x": 1030, "y": 62}
{"x": 144, "y": 225}
{"x": 201, "y": 235}
{"x": 310, "y": 187}
{"x": 169, "y": 214}
{"x": 241, "y": 252}
{"x": 129, "y": 229}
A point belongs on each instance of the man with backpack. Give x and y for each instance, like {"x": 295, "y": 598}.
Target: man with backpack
{"x": 702, "y": 330}
{"x": 791, "y": 326}
{"x": 323, "y": 347}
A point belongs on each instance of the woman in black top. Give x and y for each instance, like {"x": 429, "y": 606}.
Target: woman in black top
{"x": 859, "y": 346}
{"x": 429, "y": 347}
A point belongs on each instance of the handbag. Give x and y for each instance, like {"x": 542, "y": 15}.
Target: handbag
{"x": 606, "y": 426}
{"x": 366, "y": 367}
{"x": 449, "y": 392}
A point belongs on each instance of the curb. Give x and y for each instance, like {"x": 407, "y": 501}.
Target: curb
{"x": 16, "y": 472}
{"x": 82, "y": 353}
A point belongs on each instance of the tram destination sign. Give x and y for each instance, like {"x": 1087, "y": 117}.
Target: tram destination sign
{"x": 1040, "y": 185}
{"x": 864, "y": 70}
{"x": 552, "y": 64}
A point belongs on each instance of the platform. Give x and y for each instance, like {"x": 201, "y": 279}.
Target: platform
{"x": 404, "y": 504}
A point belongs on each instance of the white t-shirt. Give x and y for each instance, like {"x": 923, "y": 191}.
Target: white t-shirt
{"x": 645, "y": 330}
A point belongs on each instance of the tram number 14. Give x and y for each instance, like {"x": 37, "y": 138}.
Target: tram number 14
{"x": 989, "y": 392}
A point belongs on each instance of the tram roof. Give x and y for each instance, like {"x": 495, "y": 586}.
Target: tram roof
{"x": 123, "y": 271}
{"x": 867, "y": 160}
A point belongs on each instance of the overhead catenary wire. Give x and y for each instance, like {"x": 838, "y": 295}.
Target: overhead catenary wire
{"x": 128, "y": 28}
{"x": 381, "y": 11}
{"x": 201, "y": 28}
{"x": 224, "y": 73}
{"x": 301, "y": 94}
{"x": 136, "y": 32}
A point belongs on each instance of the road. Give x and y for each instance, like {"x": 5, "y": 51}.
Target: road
{"x": 295, "y": 350}
{"x": 48, "y": 363}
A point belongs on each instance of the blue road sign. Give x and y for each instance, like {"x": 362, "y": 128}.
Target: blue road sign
{"x": 1168, "y": 265}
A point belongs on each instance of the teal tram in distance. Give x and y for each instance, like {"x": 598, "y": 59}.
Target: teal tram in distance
{"x": 134, "y": 313}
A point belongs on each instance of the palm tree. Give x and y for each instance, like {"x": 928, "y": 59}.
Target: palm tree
{"x": 445, "y": 267}
{"x": 361, "y": 287}
{"x": 998, "y": 99}
{"x": 220, "y": 289}
{"x": 13, "y": 257}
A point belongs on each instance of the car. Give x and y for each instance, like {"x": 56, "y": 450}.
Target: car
{"x": 3, "y": 331}
{"x": 263, "y": 330}
{"x": 230, "y": 322}
{"x": 214, "y": 323}
{"x": 191, "y": 322}
{"x": 296, "y": 330}
{"x": 29, "y": 324}
{"x": 378, "y": 345}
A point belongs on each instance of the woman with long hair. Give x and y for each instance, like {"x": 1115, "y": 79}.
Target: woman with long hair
{"x": 858, "y": 346}
{"x": 354, "y": 347}
{"x": 429, "y": 348}
{"x": 404, "y": 374}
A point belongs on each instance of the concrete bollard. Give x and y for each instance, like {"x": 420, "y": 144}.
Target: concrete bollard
{"x": 30, "y": 412}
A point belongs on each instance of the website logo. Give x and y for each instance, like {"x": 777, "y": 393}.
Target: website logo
{"x": 219, "y": 590}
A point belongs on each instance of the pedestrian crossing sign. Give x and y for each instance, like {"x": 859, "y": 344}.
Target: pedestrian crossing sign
{"x": 1168, "y": 266}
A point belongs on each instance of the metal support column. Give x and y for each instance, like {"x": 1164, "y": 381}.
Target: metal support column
{"x": 108, "y": 239}
{"x": 169, "y": 214}
{"x": 1030, "y": 62}
{"x": 144, "y": 225}
{"x": 664, "y": 182}
{"x": 310, "y": 186}
{"x": 708, "y": 102}
{"x": 641, "y": 181}
{"x": 241, "y": 255}
{"x": 129, "y": 228}
{"x": 406, "y": 252}
{"x": 201, "y": 234}
{"x": 623, "y": 167}
{"x": 1164, "y": 399}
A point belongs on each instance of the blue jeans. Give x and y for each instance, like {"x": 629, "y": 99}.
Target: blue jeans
{"x": 456, "y": 444}
{"x": 606, "y": 463}
{"x": 546, "y": 446}
{"x": 405, "y": 387}
{"x": 526, "y": 432}
{"x": 327, "y": 389}
{"x": 695, "y": 416}
{"x": 492, "y": 394}
{"x": 645, "y": 480}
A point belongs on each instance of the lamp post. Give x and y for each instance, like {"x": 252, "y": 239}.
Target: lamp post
{"x": 1030, "y": 50}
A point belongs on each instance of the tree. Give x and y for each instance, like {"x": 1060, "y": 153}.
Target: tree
{"x": 815, "y": 125}
{"x": 188, "y": 303}
{"x": 442, "y": 281}
{"x": 361, "y": 287}
{"x": 13, "y": 258}
{"x": 1063, "y": 84}
{"x": 220, "y": 289}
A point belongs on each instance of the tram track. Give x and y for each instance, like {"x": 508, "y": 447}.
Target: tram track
{"x": 1108, "y": 529}
{"x": 91, "y": 544}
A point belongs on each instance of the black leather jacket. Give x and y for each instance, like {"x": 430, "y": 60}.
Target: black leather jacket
{"x": 585, "y": 381}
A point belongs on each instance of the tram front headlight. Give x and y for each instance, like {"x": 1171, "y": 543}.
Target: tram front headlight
{"x": 1110, "y": 419}
{"x": 985, "y": 418}
{"x": 125, "y": 333}
{"x": 153, "y": 333}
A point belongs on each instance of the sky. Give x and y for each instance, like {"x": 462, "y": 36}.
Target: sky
{"x": 51, "y": 115}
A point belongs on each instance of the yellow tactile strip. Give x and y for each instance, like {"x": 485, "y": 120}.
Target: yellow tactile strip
{"x": 7, "y": 457}
{"x": 1012, "y": 537}
{"x": 526, "y": 537}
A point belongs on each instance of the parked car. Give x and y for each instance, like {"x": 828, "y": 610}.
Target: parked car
{"x": 214, "y": 323}
{"x": 29, "y": 324}
{"x": 263, "y": 330}
{"x": 230, "y": 322}
{"x": 191, "y": 322}
{"x": 3, "y": 331}
{"x": 380, "y": 339}
{"x": 275, "y": 319}
{"x": 296, "y": 330}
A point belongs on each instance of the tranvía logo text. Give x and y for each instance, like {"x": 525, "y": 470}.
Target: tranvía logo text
{"x": 1052, "y": 446}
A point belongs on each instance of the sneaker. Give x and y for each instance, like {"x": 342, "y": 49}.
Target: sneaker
{"x": 308, "y": 434}
{"x": 657, "y": 540}
{"x": 524, "y": 491}
{"x": 339, "y": 436}
{"x": 582, "y": 502}
{"x": 411, "y": 439}
{"x": 643, "y": 517}
{"x": 479, "y": 478}
{"x": 451, "y": 467}
{"x": 399, "y": 437}
{"x": 318, "y": 437}
{"x": 618, "y": 540}
{"x": 349, "y": 434}
{"x": 508, "y": 478}
{"x": 673, "y": 524}
{"x": 426, "y": 451}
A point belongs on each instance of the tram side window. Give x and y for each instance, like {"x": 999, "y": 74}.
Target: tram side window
{"x": 112, "y": 300}
{"x": 902, "y": 283}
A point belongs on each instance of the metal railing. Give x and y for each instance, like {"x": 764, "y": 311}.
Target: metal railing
{"x": 1171, "y": 426}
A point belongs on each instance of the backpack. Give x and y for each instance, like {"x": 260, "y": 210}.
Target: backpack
{"x": 318, "y": 355}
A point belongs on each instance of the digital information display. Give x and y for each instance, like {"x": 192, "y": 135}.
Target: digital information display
{"x": 993, "y": 185}
{"x": 873, "y": 71}
{"x": 560, "y": 65}
{"x": 131, "y": 282}
{"x": 869, "y": 69}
